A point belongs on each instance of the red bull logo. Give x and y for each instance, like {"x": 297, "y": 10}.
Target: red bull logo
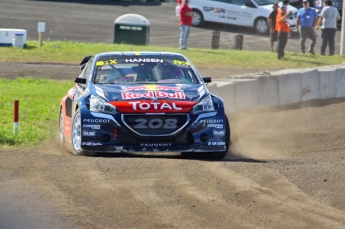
{"x": 154, "y": 94}
{"x": 150, "y": 88}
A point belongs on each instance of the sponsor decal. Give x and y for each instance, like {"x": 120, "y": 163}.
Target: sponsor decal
{"x": 214, "y": 9}
{"x": 149, "y": 106}
{"x": 218, "y": 132}
{"x": 181, "y": 62}
{"x": 91, "y": 144}
{"x": 212, "y": 121}
{"x": 155, "y": 144}
{"x": 216, "y": 143}
{"x": 235, "y": 13}
{"x": 96, "y": 120}
{"x": 144, "y": 60}
{"x": 150, "y": 88}
{"x": 154, "y": 106}
{"x": 156, "y": 94}
{"x": 88, "y": 133}
{"x": 91, "y": 126}
{"x": 105, "y": 62}
{"x": 217, "y": 126}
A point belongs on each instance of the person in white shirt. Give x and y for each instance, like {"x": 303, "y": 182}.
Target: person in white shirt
{"x": 328, "y": 18}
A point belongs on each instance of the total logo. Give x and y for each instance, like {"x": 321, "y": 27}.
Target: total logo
{"x": 156, "y": 94}
{"x": 151, "y": 88}
{"x": 154, "y": 106}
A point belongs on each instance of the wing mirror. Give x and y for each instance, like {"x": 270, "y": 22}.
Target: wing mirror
{"x": 80, "y": 80}
{"x": 207, "y": 79}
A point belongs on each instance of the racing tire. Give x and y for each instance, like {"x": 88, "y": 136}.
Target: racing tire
{"x": 214, "y": 156}
{"x": 61, "y": 129}
{"x": 63, "y": 146}
{"x": 76, "y": 135}
{"x": 261, "y": 25}
{"x": 198, "y": 18}
{"x": 220, "y": 155}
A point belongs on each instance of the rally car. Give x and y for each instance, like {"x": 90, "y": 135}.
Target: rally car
{"x": 126, "y": 102}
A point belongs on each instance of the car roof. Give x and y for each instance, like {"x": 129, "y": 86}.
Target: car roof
{"x": 140, "y": 53}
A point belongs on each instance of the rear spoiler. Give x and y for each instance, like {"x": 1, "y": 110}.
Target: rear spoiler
{"x": 83, "y": 62}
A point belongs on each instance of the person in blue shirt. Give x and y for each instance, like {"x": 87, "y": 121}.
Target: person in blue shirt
{"x": 307, "y": 18}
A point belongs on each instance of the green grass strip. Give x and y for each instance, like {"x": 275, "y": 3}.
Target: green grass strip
{"x": 39, "y": 101}
{"x": 73, "y": 52}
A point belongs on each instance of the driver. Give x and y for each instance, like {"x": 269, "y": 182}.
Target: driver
{"x": 145, "y": 73}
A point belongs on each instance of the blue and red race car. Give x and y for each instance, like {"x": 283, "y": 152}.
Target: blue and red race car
{"x": 125, "y": 102}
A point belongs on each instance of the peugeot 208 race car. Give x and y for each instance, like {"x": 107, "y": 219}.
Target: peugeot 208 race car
{"x": 126, "y": 102}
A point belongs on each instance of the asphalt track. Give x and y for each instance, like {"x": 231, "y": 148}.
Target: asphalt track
{"x": 93, "y": 21}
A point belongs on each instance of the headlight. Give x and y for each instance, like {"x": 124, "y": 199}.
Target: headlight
{"x": 206, "y": 104}
{"x": 98, "y": 104}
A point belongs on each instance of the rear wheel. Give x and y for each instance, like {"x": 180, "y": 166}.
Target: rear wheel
{"x": 198, "y": 18}
{"x": 261, "y": 25}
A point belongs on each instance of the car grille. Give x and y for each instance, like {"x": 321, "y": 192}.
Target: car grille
{"x": 155, "y": 125}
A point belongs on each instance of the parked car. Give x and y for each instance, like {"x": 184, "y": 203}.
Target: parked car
{"x": 250, "y": 13}
{"x": 336, "y": 3}
{"x": 126, "y": 102}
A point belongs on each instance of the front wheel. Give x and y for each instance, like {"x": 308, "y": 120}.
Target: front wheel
{"x": 198, "y": 18}
{"x": 76, "y": 134}
{"x": 219, "y": 155}
{"x": 261, "y": 25}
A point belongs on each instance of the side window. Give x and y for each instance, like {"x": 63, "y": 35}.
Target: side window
{"x": 87, "y": 70}
{"x": 224, "y": 1}
{"x": 238, "y": 2}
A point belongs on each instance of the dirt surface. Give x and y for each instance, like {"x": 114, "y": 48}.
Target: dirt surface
{"x": 285, "y": 169}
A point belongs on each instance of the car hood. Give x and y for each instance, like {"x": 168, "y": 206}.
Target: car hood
{"x": 141, "y": 98}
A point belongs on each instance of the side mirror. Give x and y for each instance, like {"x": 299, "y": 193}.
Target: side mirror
{"x": 207, "y": 79}
{"x": 80, "y": 80}
{"x": 249, "y": 4}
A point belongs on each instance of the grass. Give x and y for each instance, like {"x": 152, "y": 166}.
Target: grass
{"x": 39, "y": 101}
{"x": 73, "y": 52}
{"x": 40, "y": 98}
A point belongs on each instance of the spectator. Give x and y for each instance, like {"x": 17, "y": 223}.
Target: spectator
{"x": 272, "y": 24}
{"x": 177, "y": 8}
{"x": 307, "y": 18}
{"x": 283, "y": 28}
{"x": 286, "y": 3}
{"x": 328, "y": 18}
{"x": 186, "y": 16}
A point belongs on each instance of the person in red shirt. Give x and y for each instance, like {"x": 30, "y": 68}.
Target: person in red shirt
{"x": 283, "y": 28}
{"x": 186, "y": 17}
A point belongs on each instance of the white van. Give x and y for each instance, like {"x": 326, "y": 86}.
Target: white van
{"x": 250, "y": 13}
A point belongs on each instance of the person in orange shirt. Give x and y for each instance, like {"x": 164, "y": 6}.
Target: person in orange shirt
{"x": 283, "y": 28}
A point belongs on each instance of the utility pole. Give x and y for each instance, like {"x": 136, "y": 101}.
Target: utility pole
{"x": 342, "y": 45}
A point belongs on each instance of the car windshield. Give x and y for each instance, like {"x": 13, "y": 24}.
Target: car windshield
{"x": 265, "y": 2}
{"x": 154, "y": 69}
